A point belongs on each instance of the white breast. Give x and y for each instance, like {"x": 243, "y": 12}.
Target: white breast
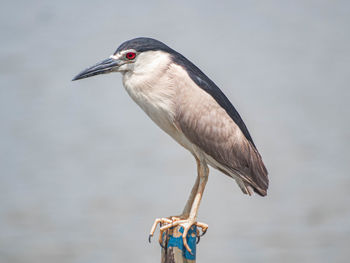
{"x": 152, "y": 88}
{"x": 151, "y": 85}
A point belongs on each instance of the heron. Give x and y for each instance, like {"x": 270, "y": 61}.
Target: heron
{"x": 191, "y": 108}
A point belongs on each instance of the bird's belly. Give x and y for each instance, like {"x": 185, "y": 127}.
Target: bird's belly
{"x": 158, "y": 105}
{"x": 165, "y": 120}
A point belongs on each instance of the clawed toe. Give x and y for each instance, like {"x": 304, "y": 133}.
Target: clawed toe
{"x": 160, "y": 221}
{"x": 167, "y": 223}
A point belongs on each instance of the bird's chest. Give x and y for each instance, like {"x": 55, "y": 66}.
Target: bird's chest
{"x": 156, "y": 96}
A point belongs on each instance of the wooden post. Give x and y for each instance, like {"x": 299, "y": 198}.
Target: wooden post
{"x": 173, "y": 250}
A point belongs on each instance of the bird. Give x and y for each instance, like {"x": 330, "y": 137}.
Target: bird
{"x": 193, "y": 110}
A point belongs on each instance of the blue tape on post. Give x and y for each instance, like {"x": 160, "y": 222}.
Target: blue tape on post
{"x": 175, "y": 240}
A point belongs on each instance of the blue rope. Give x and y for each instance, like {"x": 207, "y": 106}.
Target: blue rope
{"x": 191, "y": 241}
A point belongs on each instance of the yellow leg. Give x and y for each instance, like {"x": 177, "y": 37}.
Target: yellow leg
{"x": 188, "y": 206}
{"x": 185, "y": 212}
{"x": 191, "y": 209}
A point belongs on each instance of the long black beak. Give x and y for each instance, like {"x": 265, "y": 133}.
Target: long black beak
{"x": 105, "y": 66}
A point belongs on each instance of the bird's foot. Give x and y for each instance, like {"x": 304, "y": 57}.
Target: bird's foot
{"x": 186, "y": 223}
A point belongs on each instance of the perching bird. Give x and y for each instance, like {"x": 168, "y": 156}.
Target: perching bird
{"x": 188, "y": 106}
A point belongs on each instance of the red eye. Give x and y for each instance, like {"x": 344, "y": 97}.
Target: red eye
{"x": 130, "y": 55}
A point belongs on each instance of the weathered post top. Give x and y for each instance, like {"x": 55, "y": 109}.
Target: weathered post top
{"x": 173, "y": 250}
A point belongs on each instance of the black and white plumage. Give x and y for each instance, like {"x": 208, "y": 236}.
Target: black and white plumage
{"x": 188, "y": 106}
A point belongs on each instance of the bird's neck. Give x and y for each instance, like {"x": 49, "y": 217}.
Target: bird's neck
{"x": 151, "y": 88}
{"x": 149, "y": 68}
{"x": 148, "y": 80}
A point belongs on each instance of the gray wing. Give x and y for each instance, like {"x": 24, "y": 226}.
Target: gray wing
{"x": 207, "y": 125}
{"x": 210, "y": 87}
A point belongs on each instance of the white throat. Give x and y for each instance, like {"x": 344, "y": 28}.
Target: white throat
{"x": 151, "y": 87}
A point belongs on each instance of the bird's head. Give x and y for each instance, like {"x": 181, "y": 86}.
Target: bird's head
{"x": 132, "y": 54}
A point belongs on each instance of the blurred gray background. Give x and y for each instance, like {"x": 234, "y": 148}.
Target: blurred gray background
{"x": 84, "y": 172}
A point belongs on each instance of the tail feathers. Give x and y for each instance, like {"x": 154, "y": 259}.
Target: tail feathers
{"x": 254, "y": 175}
{"x": 246, "y": 188}
{"x": 251, "y": 175}
{"x": 249, "y": 189}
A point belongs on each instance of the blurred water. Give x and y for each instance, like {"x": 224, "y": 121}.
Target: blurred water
{"x": 83, "y": 171}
